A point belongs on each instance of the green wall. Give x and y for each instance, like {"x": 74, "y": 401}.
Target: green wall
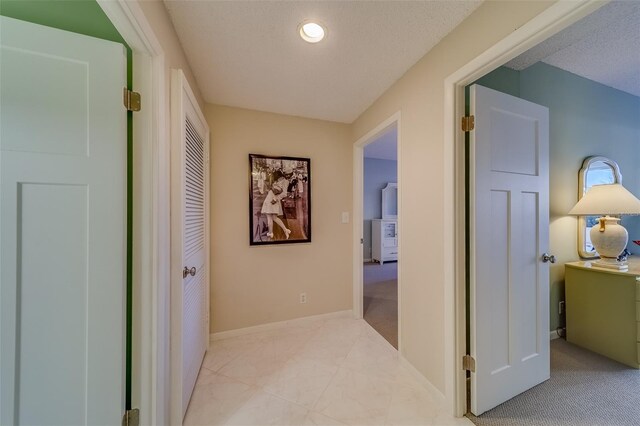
{"x": 87, "y": 18}
{"x": 78, "y": 16}
{"x": 585, "y": 118}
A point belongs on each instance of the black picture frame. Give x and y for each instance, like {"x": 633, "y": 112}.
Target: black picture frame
{"x": 279, "y": 200}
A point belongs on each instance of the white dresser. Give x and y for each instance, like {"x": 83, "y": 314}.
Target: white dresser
{"x": 384, "y": 240}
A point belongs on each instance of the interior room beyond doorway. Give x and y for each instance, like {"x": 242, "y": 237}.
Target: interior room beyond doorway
{"x": 380, "y": 235}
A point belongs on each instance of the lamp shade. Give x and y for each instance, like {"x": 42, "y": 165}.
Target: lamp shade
{"x": 609, "y": 199}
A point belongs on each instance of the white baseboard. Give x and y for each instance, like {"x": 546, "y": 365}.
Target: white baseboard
{"x": 554, "y": 335}
{"x": 439, "y": 396}
{"x": 276, "y": 325}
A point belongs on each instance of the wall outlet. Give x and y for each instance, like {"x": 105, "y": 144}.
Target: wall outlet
{"x": 303, "y": 297}
{"x": 561, "y": 307}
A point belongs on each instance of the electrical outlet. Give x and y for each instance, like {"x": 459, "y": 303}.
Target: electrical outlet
{"x": 561, "y": 307}
{"x": 303, "y": 297}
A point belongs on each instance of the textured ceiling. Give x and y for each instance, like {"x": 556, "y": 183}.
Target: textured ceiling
{"x": 384, "y": 147}
{"x": 603, "y": 47}
{"x": 248, "y": 53}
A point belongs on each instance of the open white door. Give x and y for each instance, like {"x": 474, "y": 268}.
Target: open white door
{"x": 509, "y": 231}
{"x": 189, "y": 243}
{"x": 63, "y": 216}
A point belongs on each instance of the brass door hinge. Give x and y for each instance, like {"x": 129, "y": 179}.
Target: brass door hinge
{"x": 131, "y": 100}
{"x": 469, "y": 363}
{"x": 131, "y": 417}
{"x": 468, "y": 123}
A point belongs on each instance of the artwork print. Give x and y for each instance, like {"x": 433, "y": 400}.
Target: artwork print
{"x": 279, "y": 200}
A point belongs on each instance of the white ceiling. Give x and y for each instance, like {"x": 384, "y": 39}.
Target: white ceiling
{"x": 603, "y": 47}
{"x": 248, "y": 53}
{"x": 384, "y": 147}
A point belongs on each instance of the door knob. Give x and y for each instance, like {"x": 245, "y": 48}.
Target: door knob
{"x": 546, "y": 257}
{"x": 186, "y": 272}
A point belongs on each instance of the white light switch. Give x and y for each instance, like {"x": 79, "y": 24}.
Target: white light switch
{"x": 345, "y": 217}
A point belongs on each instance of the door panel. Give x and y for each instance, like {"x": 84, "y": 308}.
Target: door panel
{"x": 33, "y": 79}
{"x": 513, "y": 143}
{"x": 509, "y": 231}
{"x": 62, "y": 177}
{"x": 47, "y": 251}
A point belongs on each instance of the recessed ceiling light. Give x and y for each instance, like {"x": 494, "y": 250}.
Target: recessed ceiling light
{"x": 311, "y": 32}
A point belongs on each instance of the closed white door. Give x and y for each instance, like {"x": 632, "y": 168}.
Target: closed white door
{"x": 509, "y": 218}
{"x": 190, "y": 242}
{"x": 63, "y": 209}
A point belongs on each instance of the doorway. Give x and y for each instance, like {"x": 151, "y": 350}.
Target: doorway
{"x": 377, "y": 236}
{"x": 148, "y": 176}
{"x": 589, "y": 99}
{"x": 380, "y": 235}
{"x": 560, "y": 222}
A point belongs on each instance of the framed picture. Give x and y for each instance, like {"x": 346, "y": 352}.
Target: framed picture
{"x": 279, "y": 200}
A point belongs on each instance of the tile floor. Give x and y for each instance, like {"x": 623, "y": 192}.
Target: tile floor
{"x": 335, "y": 371}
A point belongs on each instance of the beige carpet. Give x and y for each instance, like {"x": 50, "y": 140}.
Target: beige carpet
{"x": 381, "y": 299}
{"x": 585, "y": 389}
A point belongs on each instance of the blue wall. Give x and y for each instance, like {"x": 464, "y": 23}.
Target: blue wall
{"x": 377, "y": 173}
{"x": 585, "y": 118}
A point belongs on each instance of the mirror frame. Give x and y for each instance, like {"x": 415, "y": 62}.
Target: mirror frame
{"x": 582, "y": 223}
{"x": 388, "y": 188}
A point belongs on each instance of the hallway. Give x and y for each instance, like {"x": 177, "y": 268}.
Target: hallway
{"x": 312, "y": 372}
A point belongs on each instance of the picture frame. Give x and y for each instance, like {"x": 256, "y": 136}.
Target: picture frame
{"x": 279, "y": 200}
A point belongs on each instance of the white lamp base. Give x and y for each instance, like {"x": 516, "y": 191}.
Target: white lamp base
{"x": 610, "y": 263}
{"x": 608, "y": 237}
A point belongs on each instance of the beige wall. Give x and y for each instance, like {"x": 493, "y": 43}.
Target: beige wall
{"x": 253, "y": 285}
{"x": 174, "y": 57}
{"x": 419, "y": 95}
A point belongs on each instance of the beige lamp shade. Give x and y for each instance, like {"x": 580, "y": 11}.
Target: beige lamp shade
{"x": 612, "y": 199}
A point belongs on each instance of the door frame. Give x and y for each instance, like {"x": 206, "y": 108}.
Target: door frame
{"x": 150, "y": 248}
{"x": 358, "y": 215}
{"x": 555, "y": 18}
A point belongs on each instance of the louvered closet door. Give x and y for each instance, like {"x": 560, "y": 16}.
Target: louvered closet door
{"x": 194, "y": 307}
{"x": 190, "y": 297}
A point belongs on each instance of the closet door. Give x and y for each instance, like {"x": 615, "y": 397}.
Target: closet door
{"x": 190, "y": 244}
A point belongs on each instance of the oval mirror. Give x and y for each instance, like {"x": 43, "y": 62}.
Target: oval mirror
{"x": 595, "y": 170}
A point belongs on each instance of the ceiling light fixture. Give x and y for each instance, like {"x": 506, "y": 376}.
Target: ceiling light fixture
{"x": 311, "y": 32}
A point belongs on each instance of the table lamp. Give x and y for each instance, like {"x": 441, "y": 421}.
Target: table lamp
{"x": 608, "y": 237}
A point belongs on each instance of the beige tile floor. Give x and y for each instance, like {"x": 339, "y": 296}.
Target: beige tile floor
{"x": 335, "y": 371}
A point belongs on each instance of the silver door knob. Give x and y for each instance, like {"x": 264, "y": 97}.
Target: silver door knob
{"x": 546, "y": 257}
{"x": 186, "y": 272}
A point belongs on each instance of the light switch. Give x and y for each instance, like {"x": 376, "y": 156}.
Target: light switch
{"x": 345, "y": 217}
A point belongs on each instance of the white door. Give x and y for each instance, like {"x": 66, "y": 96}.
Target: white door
{"x": 190, "y": 242}
{"x": 509, "y": 217}
{"x": 63, "y": 210}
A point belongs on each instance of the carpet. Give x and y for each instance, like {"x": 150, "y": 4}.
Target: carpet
{"x": 585, "y": 389}
{"x": 381, "y": 299}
